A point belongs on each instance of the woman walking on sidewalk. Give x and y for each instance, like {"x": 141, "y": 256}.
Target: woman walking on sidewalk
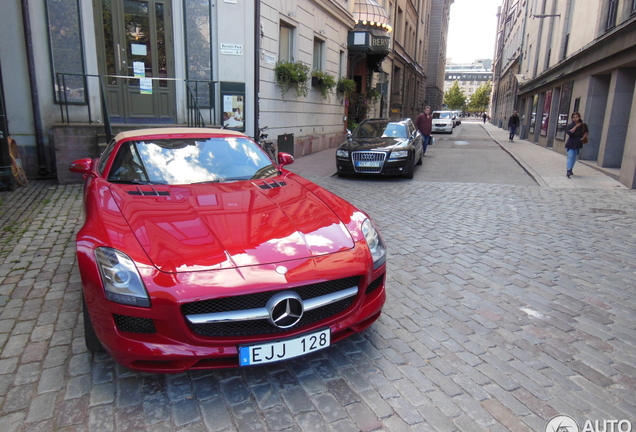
{"x": 577, "y": 132}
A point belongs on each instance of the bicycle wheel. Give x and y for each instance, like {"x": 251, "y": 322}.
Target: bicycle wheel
{"x": 270, "y": 150}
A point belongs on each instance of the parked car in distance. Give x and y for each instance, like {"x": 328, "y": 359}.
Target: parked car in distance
{"x": 457, "y": 117}
{"x": 198, "y": 252}
{"x": 443, "y": 121}
{"x": 381, "y": 147}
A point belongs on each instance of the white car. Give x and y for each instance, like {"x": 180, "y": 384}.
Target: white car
{"x": 443, "y": 121}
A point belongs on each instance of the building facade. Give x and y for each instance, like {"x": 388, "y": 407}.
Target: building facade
{"x": 77, "y": 71}
{"x": 470, "y": 76}
{"x": 96, "y": 67}
{"x": 554, "y": 58}
{"x": 440, "y": 14}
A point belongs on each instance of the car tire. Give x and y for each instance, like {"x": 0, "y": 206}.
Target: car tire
{"x": 410, "y": 168}
{"x": 90, "y": 337}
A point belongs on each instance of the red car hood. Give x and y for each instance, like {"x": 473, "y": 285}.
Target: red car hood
{"x": 225, "y": 225}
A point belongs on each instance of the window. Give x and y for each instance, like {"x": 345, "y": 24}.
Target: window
{"x": 398, "y": 26}
{"x": 286, "y": 43}
{"x": 319, "y": 50}
{"x": 633, "y": 6}
{"x": 611, "y": 14}
{"x": 342, "y": 65}
{"x": 397, "y": 80}
{"x": 66, "y": 45}
{"x": 199, "y": 57}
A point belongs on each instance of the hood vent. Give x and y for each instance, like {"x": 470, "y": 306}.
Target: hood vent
{"x": 151, "y": 192}
{"x": 271, "y": 185}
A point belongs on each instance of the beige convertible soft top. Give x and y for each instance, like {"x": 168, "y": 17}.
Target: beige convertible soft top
{"x": 175, "y": 131}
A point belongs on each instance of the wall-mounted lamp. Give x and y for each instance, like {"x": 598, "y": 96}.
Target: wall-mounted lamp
{"x": 546, "y": 16}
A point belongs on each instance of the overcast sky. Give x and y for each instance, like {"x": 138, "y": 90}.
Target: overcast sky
{"x": 472, "y": 30}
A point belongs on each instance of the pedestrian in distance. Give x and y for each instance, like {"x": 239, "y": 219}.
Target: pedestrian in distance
{"x": 424, "y": 124}
{"x": 484, "y": 116}
{"x": 513, "y": 124}
{"x": 577, "y": 132}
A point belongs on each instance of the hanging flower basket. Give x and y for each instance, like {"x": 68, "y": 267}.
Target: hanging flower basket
{"x": 292, "y": 76}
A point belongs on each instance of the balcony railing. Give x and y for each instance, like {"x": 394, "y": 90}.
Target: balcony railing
{"x": 73, "y": 94}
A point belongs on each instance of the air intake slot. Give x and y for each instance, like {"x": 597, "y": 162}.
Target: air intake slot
{"x": 151, "y": 192}
{"x": 271, "y": 185}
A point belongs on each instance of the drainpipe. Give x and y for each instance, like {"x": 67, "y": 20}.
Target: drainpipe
{"x": 257, "y": 67}
{"x": 35, "y": 101}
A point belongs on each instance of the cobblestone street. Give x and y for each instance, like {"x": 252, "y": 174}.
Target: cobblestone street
{"x": 507, "y": 305}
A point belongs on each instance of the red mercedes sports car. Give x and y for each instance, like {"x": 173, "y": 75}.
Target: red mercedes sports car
{"x": 197, "y": 251}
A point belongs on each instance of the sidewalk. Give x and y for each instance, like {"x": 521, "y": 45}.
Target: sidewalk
{"x": 546, "y": 166}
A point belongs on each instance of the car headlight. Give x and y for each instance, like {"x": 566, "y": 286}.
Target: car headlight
{"x": 120, "y": 278}
{"x": 399, "y": 154}
{"x": 374, "y": 241}
{"x": 342, "y": 153}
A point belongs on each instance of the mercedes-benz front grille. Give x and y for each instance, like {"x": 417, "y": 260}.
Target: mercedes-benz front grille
{"x": 245, "y": 303}
{"x": 368, "y": 161}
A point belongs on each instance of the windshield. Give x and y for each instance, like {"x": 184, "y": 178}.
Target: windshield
{"x": 442, "y": 115}
{"x": 380, "y": 129}
{"x": 190, "y": 160}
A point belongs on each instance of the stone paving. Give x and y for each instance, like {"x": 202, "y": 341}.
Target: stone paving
{"x": 507, "y": 305}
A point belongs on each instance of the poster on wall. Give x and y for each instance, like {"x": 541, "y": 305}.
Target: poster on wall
{"x": 233, "y": 112}
{"x": 564, "y": 110}
{"x": 545, "y": 116}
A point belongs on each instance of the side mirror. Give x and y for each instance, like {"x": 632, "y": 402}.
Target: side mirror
{"x": 81, "y": 166}
{"x": 349, "y": 134}
{"x": 285, "y": 159}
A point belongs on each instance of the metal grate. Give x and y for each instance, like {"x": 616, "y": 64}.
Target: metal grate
{"x": 375, "y": 284}
{"x": 259, "y": 300}
{"x": 361, "y": 158}
{"x": 262, "y": 327}
{"x": 134, "y": 324}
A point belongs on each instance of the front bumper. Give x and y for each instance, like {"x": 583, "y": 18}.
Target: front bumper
{"x": 160, "y": 339}
{"x": 442, "y": 128}
{"x": 388, "y": 167}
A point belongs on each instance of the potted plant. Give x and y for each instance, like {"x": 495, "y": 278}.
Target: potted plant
{"x": 292, "y": 75}
{"x": 324, "y": 81}
{"x": 346, "y": 86}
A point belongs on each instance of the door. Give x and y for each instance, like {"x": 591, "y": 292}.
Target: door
{"x": 136, "y": 36}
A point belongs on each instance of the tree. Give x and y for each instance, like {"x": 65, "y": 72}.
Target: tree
{"x": 454, "y": 97}
{"x": 480, "y": 100}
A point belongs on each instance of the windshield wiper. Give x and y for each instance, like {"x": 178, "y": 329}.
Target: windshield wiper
{"x": 207, "y": 181}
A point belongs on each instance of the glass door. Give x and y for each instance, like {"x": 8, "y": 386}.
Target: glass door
{"x": 137, "y": 40}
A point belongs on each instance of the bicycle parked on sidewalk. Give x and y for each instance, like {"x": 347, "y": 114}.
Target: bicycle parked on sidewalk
{"x": 268, "y": 146}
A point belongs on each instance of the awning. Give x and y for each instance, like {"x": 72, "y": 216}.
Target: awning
{"x": 369, "y": 12}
